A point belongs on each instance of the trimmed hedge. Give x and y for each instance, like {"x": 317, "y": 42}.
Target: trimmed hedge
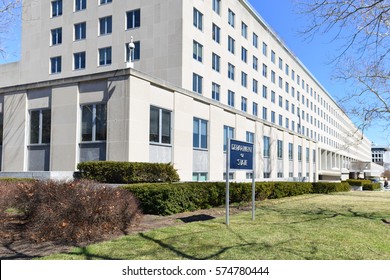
{"x": 329, "y": 187}
{"x": 371, "y": 187}
{"x": 128, "y": 172}
{"x": 358, "y": 183}
{"x": 167, "y": 199}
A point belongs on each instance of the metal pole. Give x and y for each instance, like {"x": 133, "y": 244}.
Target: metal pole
{"x": 227, "y": 180}
{"x": 254, "y": 184}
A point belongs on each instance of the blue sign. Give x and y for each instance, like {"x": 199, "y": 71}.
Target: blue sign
{"x": 241, "y": 155}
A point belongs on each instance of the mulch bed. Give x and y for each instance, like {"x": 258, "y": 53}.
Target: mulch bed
{"x": 14, "y": 247}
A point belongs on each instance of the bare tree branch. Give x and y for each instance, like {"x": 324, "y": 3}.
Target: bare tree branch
{"x": 8, "y": 15}
{"x": 363, "y": 29}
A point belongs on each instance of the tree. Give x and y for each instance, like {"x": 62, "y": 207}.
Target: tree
{"x": 8, "y": 14}
{"x": 363, "y": 28}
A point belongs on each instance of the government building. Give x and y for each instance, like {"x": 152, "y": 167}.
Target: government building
{"x": 166, "y": 81}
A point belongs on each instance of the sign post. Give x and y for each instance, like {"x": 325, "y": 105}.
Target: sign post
{"x": 239, "y": 156}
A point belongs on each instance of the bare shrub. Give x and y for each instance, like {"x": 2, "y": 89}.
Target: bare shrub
{"x": 76, "y": 212}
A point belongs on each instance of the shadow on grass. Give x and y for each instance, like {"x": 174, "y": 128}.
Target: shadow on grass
{"x": 88, "y": 255}
{"x": 196, "y": 218}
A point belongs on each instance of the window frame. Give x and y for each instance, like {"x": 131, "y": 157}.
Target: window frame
{"x": 105, "y": 25}
{"x": 198, "y": 137}
{"x": 56, "y": 65}
{"x": 40, "y": 126}
{"x": 107, "y": 59}
{"x": 94, "y": 121}
{"x": 160, "y": 126}
{"x": 79, "y": 59}
{"x": 133, "y": 19}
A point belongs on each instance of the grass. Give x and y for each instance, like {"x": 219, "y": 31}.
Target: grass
{"x": 339, "y": 226}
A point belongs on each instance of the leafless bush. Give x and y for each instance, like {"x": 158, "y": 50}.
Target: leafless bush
{"x": 73, "y": 212}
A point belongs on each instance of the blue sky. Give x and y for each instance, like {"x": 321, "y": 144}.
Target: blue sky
{"x": 282, "y": 17}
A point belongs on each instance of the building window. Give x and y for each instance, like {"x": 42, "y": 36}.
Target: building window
{"x": 80, "y": 31}
{"x": 244, "y": 78}
{"x": 272, "y": 76}
{"x": 105, "y": 56}
{"x": 255, "y": 40}
{"x": 105, "y": 25}
{"x": 94, "y": 122}
{"x": 56, "y": 8}
{"x": 265, "y": 92}
{"x": 231, "y": 71}
{"x": 280, "y": 63}
{"x": 231, "y": 98}
{"x": 255, "y": 86}
{"x": 216, "y": 62}
{"x": 307, "y": 155}
{"x": 217, "y": 6}
{"x": 231, "y": 44}
{"x": 280, "y": 149}
{"x": 80, "y": 5}
{"x": 254, "y": 109}
{"x": 228, "y": 133}
{"x": 290, "y": 151}
{"x": 197, "y": 81}
{"x": 299, "y": 153}
{"x": 216, "y": 33}
{"x": 266, "y": 146}
{"x": 215, "y": 91}
{"x": 200, "y": 134}
{"x": 265, "y": 49}
{"x": 231, "y": 17}
{"x": 272, "y": 116}
{"x": 244, "y": 30}
{"x": 56, "y": 36}
{"x": 105, "y": 2}
{"x": 265, "y": 113}
{"x": 250, "y": 137}
{"x": 273, "y": 56}
{"x": 244, "y": 53}
{"x": 199, "y": 176}
{"x": 243, "y": 104}
{"x": 135, "y": 54}
{"x": 198, "y": 19}
{"x": 197, "y": 51}
{"x": 133, "y": 19}
{"x": 255, "y": 63}
{"x": 265, "y": 70}
{"x": 40, "y": 126}
{"x": 79, "y": 61}
{"x": 280, "y": 120}
{"x": 55, "y": 65}
{"x": 272, "y": 96}
{"x": 160, "y": 126}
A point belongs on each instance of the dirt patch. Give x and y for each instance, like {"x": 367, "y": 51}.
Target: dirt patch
{"x": 13, "y": 247}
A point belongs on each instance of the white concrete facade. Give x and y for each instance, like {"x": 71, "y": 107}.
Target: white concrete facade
{"x": 185, "y": 51}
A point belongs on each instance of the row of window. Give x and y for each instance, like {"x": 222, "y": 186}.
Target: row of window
{"x": 94, "y": 128}
{"x": 160, "y": 132}
{"x": 198, "y": 23}
{"x": 79, "y": 5}
{"x": 105, "y": 27}
{"x": 301, "y": 114}
{"x": 104, "y": 58}
{"x": 93, "y": 124}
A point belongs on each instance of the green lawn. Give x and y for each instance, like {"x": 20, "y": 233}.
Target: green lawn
{"x": 338, "y": 226}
